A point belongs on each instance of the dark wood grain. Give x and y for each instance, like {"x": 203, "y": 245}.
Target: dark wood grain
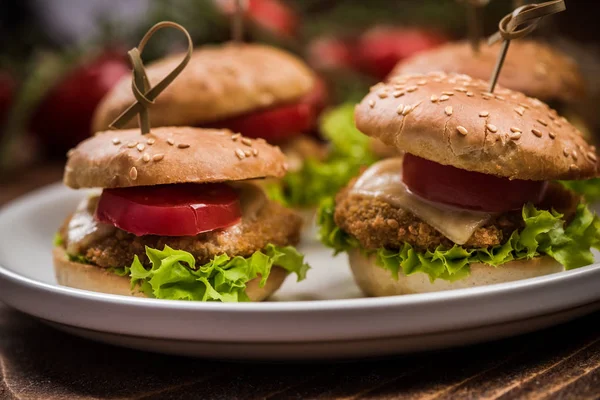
{"x": 37, "y": 361}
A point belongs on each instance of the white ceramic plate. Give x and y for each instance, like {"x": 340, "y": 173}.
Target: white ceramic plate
{"x": 321, "y": 317}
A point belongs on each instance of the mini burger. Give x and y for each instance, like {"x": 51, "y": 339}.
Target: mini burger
{"x": 257, "y": 90}
{"x": 473, "y": 201}
{"x": 177, "y": 217}
{"x": 531, "y": 67}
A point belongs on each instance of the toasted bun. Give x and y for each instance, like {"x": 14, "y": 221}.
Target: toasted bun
{"x": 376, "y": 281}
{"x": 531, "y": 67}
{"x": 219, "y": 82}
{"x": 505, "y": 134}
{"x": 90, "y": 277}
{"x": 212, "y": 156}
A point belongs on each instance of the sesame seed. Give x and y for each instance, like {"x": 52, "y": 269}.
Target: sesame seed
{"x": 541, "y": 121}
{"x": 235, "y": 136}
{"x": 520, "y": 110}
{"x": 537, "y": 132}
{"x": 484, "y": 113}
{"x": 400, "y": 108}
{"x": 574, "y": 154}
{"x": 398, "y": 93}
{"x": 444, "y": 97}
{"x": 470, "y": 94}
{"x": 247, "y": 142}
{"x": 437, "y": 80}
{"x": 116, "y": 141}
{"x": 255, "y": 152}
{"x": 150, "y": 141}
{"x": 140, "y": 147}
{"x": 158, "y": 157}
{"x": 411, "y": 89}
{"x": 448, "y": 110}
{"x": 487, "y": 94}
{"x": 183, "y": 145}
{"x": 398, "y": 87}
{"x": 515, "y": 135}
{"x": 382, "y": 94}
{"x": 131, "y": 145}
{"x": 499, "y": 98}
{"x": 433, "y": 98}
{"x": 552, "y": 135}
{"x": 145, "y": 157}
{"x": 461, "y": 89}
{"x": 240, "y": 154}
{"x": 566, "y": 152}
{"x": 371, "y": 103}
{"x": 247, "y": 152}
{"x": 514, "y": 129}
{"x": 452, "y": 81}
{"x": 492, "y": 128}
{"x": 133, "y": 173}
{"x": 573, "y": 167}
{"x": 422, "y": 82}
{"x": 70, "y": 152}
{"x": 448, "y": 93}
{"x": 462, "y": 130}
{"x": 558, "y": 124}
{"x": 170, "y": 141}
{"x": 591, "y": 156}
{"x": 406, "y": 110}
{"x": 551, "y": 116}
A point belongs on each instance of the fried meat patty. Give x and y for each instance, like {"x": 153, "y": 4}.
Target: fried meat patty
{"x": 273, "y": 224}
{"x": 376, "y": 223}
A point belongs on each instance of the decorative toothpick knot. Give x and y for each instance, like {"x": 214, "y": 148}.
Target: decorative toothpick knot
{"x": 518, "y": 24}
{"x": 143, "y": 93}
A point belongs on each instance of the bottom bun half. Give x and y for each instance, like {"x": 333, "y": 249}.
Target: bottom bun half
{"x": 90, "y": 277}
{"x": 377, "y": 281}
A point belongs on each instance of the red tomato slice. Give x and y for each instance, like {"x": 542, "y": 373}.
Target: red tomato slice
{"x": 274, "y": 124}
{"x": 170, "y": 210}
{"x": 466, "y": 189}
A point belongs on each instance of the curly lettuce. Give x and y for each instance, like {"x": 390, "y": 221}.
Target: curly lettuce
{"x": 175, "y": 276}
{"x": 349, "y": 152}
{"x": 544, "y": 233}
{"x": 589, "y": 188}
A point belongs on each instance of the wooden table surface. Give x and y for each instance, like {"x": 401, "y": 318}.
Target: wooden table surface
{"x": 37, "y": 361}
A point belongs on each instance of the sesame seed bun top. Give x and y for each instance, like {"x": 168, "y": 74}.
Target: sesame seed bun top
{"x": 219, "y": 82}
{"x": 452, "y": 119}
{"x": 124, "y": 158}
{"x": 531, "y": 67}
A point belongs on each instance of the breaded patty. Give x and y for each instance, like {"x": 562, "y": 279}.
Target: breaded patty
{"x": 273, "y": 224}
{"x": 377, "y": 224}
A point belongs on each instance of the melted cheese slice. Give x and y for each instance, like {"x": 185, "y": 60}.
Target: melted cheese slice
{"x": 383, "y": 181}
{"x": 83, "y": 228}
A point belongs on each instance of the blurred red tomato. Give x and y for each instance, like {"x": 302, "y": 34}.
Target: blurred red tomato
{"x": 272, "y": 15}
{"x": 380, "y": 48}
{"x": 329, "y": 53}
{"x": 7, "y": 92}
{"x": 63, "y": 117}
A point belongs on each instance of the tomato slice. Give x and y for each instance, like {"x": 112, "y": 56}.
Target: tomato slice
{"x": 273, "y": 124}
{"x": 170, "y": 210}
{"x": 466, "y": 189}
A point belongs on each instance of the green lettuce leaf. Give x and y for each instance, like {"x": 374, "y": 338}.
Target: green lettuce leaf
{"x": 175, "y": 276}
{"x": 349, "y": 151}
{"x": 589, "y": 188}
{"x": 544, "y": 233}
